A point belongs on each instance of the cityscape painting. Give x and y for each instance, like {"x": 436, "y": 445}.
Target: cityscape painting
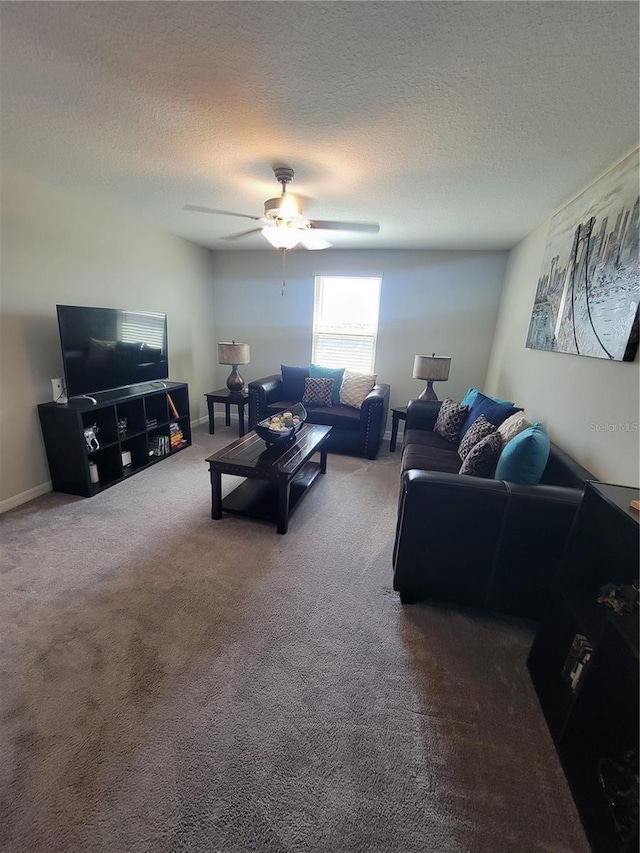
{"x": 588, "y": 291}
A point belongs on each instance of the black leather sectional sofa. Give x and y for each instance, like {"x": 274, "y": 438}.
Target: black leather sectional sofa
{"x": 357, "y": 432}
{"x": 478, "y": 542}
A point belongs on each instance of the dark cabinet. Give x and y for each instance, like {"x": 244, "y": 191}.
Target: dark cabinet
{"x": 131, "y": 429}
{"x": 584, "y": 666}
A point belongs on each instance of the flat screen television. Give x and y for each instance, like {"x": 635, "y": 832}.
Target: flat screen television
{"x": 106, "y": 348}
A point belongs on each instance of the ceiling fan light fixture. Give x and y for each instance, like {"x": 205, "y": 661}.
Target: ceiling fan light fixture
{"x": 283, "y": 207}
{"x": 282, "y": 236}
{"x": 283, "y": 220}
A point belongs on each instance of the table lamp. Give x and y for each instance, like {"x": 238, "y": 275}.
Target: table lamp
{"x": 432, "y": 368}
{"x": 234, "y": 354}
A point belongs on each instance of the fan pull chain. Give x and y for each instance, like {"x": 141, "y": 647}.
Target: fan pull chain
{"x": 284, "y": 271}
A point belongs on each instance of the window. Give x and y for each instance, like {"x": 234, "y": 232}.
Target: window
{"x": 142, "y": 327}
{"x": 345, "y": 321}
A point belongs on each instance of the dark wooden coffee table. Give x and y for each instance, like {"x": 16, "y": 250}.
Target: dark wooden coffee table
{"x": 277, "y": 478}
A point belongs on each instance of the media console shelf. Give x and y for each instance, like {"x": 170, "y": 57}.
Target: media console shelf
{"x": 584, "y": 666}
{"x": 135, "y": 428}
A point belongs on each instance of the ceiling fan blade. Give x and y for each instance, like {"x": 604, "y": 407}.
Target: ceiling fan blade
{"x": 314, "y": 241}
{"x": 198, "y": 209}
{"x": 241, "y": 234}
{"x": 328, "y": 225}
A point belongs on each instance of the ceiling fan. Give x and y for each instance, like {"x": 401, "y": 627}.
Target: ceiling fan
{"x": 283, "y": 224}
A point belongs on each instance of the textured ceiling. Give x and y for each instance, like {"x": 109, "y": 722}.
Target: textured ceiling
{"x": 455, "y": 125}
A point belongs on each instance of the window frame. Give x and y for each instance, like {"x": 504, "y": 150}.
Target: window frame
{"x": 372, "y": 332}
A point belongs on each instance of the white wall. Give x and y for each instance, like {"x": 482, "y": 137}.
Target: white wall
{"x": 445, "y": 302}
{"x": 60, "y": 248}
{"x": 589, "y": 405}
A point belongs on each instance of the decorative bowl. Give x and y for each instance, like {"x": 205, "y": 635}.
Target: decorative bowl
{"x": 283, "y": 426}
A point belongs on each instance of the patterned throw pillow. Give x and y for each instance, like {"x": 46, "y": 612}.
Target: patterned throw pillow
{"x": 316, "y": 371}
{"x": 481, "y": 459}
{"x": 317, "y": 392}
{"x": 477, "y": 431}
{"x": 355, "y": 387}
{"x": 449, "y": 420}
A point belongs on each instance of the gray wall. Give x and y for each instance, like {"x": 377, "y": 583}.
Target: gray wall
{"x": 589, "y": 405}
{"x": 60, "y": 248}
{"x": 445, "y": 302}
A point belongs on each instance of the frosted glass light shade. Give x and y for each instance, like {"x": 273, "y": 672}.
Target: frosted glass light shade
{"x": 282, "y": 236}
{"x": 314, "y": 241}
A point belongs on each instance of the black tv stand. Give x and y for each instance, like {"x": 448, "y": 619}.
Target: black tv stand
{"x": 136, "y": 427}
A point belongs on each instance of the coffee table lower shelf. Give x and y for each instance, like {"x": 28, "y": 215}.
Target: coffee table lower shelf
{"x": 264, "y": 500}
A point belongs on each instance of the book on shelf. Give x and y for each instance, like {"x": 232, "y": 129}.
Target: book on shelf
{"x": 576, "y": 661}
{"x": 176, "y": 435}
{"x": 159, "y": 445}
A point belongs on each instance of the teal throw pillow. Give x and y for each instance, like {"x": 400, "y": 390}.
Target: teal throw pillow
{"x": 524, "y": 458}
{"x": 470, "y": 398}
{"x": 317, "y": 371}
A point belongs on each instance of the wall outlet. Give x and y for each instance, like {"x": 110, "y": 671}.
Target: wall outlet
{"x": 59, "y": 393}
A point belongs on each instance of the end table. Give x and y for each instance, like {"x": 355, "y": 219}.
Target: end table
{"x": 228, "y": 399}
{"x": 399, "y": 413}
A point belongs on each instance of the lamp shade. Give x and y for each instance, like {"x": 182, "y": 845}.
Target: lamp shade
{"x": 432, "y": 368}
{"x": 233, "y": 353}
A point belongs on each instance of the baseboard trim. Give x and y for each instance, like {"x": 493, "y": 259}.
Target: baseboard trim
{"x": 25, "y": 497}
{"x": 44, "y": 488}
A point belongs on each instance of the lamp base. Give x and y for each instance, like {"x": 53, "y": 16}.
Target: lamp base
{"x": 235, "y": 382}
{"x": 428, "y": 393}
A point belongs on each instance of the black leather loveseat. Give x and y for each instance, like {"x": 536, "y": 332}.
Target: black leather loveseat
{"x": 479, "y": 542}
{"x": 357, "y": 432}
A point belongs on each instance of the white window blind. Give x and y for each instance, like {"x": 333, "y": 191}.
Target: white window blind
{"x": 345, "y": 321}
{"x": 146, "y": 328}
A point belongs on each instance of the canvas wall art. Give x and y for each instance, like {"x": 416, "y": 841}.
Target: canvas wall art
{"x": 587, "y": 298}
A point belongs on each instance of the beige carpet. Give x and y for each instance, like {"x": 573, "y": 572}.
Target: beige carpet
{"x": 170, "y": 683}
